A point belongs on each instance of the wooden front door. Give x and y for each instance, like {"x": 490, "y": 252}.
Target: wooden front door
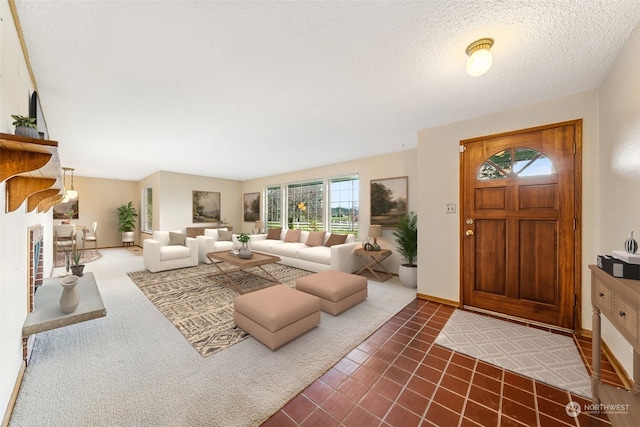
{"x": 520, "y": 210}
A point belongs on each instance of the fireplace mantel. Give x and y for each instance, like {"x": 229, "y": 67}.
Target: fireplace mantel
{"x": 47, "y": 314}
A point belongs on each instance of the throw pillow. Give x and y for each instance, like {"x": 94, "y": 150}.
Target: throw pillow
{"x": 292, "y": 236}
{"x": 225, "y": 236}
{"x": 316, "y": 238}
{"x": 274, "y": 233}
{"x": 177, "y": 238}
{"x": 336, "y": 239}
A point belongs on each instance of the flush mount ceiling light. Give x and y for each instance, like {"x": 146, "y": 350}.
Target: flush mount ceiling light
{"x": 480, "y": 58}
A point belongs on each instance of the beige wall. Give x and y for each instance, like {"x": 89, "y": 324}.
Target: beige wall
{"x": 172, "y": 199}
{"x": 98, "y": 200}
{"x": 619, "y": 167}
{"x": 388, "y": 166}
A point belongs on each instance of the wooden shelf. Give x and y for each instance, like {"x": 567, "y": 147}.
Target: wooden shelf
{"x": 47, "y": 314}
{"x": 32, "y": 170}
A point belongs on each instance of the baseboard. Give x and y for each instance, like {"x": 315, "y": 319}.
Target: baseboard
{"x": 14, "y": 395}
{"x": 439, "y": 300}
{"x": 617, "y": 366}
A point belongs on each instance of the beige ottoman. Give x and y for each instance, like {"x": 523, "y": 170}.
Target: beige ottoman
{"x": 338, "y": 291}
{"x": 277, "y": 314}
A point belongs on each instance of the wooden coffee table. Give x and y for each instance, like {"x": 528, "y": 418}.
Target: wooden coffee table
{"x": 257, "y": 260}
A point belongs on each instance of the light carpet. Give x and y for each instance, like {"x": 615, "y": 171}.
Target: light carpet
{"x": 199, "y": 300}
{"x": 134, "y": 368}
{"x": 544, "y": 356}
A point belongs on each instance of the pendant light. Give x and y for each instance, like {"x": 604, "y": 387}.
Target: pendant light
{"x": 71, "y": 193}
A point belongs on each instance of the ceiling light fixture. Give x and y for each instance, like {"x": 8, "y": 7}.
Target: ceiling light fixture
{"x": 480, "y": 58}
{"x": 69, "y": 194}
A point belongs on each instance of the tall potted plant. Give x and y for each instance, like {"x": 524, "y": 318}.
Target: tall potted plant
{"x": 127, "y": 222}
{"x": 407, "y": 238}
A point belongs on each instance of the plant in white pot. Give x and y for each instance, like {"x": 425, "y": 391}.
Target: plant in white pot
{"x": 245, "y": 251}
{"x": 25, "y": 126}
{"x": 127, "y": 222}
{"x": 407, "y": 238}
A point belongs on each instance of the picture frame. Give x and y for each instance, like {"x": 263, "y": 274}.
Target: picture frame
{"x": 251, "y": 207}
{"x": 389, "y": 200}
{"x": 205, "y": 206}
{"x": 60, "y": 210}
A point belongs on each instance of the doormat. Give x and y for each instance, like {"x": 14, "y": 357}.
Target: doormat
{"x": 544, "y": 356}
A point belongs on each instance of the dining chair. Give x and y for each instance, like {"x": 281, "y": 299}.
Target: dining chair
{"x": 64, "y": 238}
{"x": 90, "y": 236}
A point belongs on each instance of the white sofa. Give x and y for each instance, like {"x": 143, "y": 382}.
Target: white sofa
{"x": 159, "y": 254}
{"x": 312, "y": 258}
{"x": 211, "y": 242}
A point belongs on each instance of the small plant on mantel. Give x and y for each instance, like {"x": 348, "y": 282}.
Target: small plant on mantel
{"x": 76, "y": 267}
{"x": 25, "y": 126}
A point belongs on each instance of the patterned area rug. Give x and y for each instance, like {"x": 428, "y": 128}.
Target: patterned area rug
{"x": 89, "y": 255}
{"x": 199, "y": 302}
{"x": 547, "y": 357}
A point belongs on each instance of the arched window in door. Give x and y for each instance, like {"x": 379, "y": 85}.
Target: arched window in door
{"x": 515, "y": 162}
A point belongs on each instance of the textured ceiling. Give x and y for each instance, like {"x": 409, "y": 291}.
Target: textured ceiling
{"x": 241, "y": 90}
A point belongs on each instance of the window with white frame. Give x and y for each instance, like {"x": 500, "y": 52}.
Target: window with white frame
{"x": 305, "y": 208}
{"x": 273, "y": 201}
{"x": 147, "y": 209}
{"x": 343, "y": 204}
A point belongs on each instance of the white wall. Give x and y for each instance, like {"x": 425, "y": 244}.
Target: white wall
{"x": 619, "y": 168}
{"x": 15, "y": 88}
{"x": 387, "y": 166}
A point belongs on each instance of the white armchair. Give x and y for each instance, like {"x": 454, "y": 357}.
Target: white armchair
{"x": 169, "y": 250}
{"x": 211, "y": 242}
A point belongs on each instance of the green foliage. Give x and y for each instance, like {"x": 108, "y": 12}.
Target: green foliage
{"x": 243, "y": 238}
{"x": 407, "y": 237}
{"x": 29, "y": 122}
{"x": 75, "y": 257}
{"x": 127, "y": 217}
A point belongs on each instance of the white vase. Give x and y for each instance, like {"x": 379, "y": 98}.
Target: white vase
{"x": 408, "y": 275}
{"x": 70, "y": 297}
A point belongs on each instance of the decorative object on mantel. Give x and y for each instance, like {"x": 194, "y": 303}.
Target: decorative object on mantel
{"x": 70, "y": 298}
{"x": 630, "y": 245}
{"x": 407, "y": 238}
{"x": 76, "y": 267}
{"x": 244, "y": 251}
{"x": 127, "y": 222}
{"x": 25, "y": 126}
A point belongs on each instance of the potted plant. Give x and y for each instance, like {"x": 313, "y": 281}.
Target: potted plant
{"x": 25, "y": 126}
{"x": 244, "y": 252}
{"x": 127, "y": 222}
{"x": 76, "y": 267}
{"x": 407, "y": 239}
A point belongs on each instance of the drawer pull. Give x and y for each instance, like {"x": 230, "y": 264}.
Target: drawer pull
{"x": 622, "y": 313}
{"x": 600, "y": 294}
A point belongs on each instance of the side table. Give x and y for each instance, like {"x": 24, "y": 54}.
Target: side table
{"x": 370, "y": 259}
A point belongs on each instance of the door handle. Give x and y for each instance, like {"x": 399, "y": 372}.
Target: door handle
{"x": 469, "y": 232}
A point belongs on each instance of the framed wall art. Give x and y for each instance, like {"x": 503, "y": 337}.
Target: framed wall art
{"x": 206, "y": 206}
{"x": 251, "y": 207}
{"x": 388, "y": 201}
{"x": 66, "y": 211}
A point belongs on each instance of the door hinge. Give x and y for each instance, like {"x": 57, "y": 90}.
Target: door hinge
{"x": 574, "y": 224}
{"x": 575, "y": 300}
{"x": 574, "y": 148}
{"x": 463, "y": 148}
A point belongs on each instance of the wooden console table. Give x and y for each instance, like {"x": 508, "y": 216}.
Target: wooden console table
{"x": 619, "y": 300}
{"x": 47, "y": 314}
{"x": 199, "y": 231}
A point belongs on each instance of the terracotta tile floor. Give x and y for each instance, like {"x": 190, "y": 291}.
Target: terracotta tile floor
{"x": 398, "y": 377}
